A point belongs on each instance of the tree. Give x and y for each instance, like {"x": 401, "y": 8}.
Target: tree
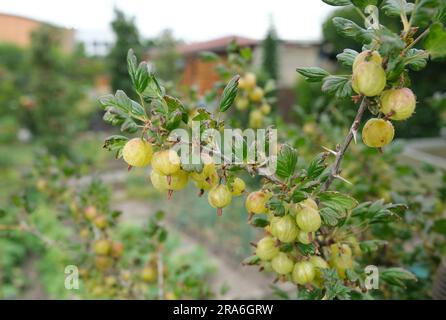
{"x": 126, "y": 36}
{"x": 270, "y": 57}
{"x": 167, "y": 59}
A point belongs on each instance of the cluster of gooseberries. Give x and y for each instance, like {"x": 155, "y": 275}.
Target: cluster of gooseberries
{"x": 299, "y": 225}
{"x": 369, "y": 79}
{"x": 168, "y": 174}
{"x": 251, "y": 94}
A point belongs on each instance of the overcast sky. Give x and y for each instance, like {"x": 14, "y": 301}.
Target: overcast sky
{"x": 191, "y": 20}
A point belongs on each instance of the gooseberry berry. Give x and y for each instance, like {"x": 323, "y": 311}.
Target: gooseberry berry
{"x": 238, "y": 186}
{"x": 266, "y": 249}
{"x": 305, "y": 237}
{"x": 399, "y": 103}
{"x": 377, "y": 133}
{"x": 256, "y": 94}
{"x": 282, "y": 264}
{"x": 303, "y": 273}
{"x": 166, "y": 162}
{"x": 308, "y": 219}
{"x": 137, "y": 152}
{"x": 102, "y": 247}
{"x": 368, "y": 55}
{"x": 284, "y": 228}
{"x": 369, "y": 79}
{"x": 256, "y": 202}
{"x": 219, "y": 197}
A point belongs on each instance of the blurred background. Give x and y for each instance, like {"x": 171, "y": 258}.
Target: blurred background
{"x": 57, "y": 58}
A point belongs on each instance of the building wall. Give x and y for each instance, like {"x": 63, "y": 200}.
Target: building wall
{"x": 17, "y": 30}
{"x": 198, "y": 73}
{"x": 290, "y": 58}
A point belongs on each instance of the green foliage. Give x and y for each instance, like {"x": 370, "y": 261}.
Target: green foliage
{"x": 127, "y": 36}
{"x": 270, "y": 62}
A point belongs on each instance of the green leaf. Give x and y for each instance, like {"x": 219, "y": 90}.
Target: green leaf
{"x": 115, "y": 143}
{"x": 140, "y": 75}
{"x": 298, "y": 196}
{"x": 371, "y": 245}
{"x": 276, "y": 206}
{"x": 338, "y": 3}
{"x": 347, "y": 57}
{"x": 416, "y": 59}
{"x": 436, "y": 41}
{"x": 209, "y": 56}
{"x": 396, "y": 276}
{"x": 286, "y": 162}
{"x": 251, "y": 260}
{"x": 229, "y": 94}
{"x": 331, "y": 217}
{"x": 337, "y": 201}
{"x": 341, "y": 87}
{"x": 439, "y": 226}
{"x": 362, "y": 4}
{"x": 316, "y": 167}
{"x": 123, "y": 103}
{"x": 313, "y": 74}
{"x": 394, "y": 8}
{"x": 306, "y": 249}
{"x": 349, "y": 29}
{"x": 174, "y": 120}
{"x": 260, "y": 221}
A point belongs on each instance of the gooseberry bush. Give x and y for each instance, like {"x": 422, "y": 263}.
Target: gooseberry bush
{"x": 78, "y": 232}
{"x": 311, "y": 233}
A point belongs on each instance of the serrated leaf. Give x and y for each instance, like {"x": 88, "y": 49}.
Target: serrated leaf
{"x": 306, "y": 249}
{"x": 313, "y": 74}
{"x": 286, "y": 162}
{"x": 338, "y": 3}
{"x": 350, "y": 29}
{"x": 229, "y": 94}
{"x": 316, "y": 167}
{"x": 260, "y": 221}
{"x": 337, "y": 201}
{"x": 347, "y": 57}
{"x": 115, "y": 143}
{"x": 341, "y": 87}
{"x": 394, "y": 8}
{"x": 396, "y": 276}
{"x": 123, "y": 103}
{"x": 362, "y": 4}
{"x": 371, "y": 245}
{"x": 252, "y": 260}
{"x": 436, "y": 41}
{"x": 331, "y": 217}
{"x": 416, "y": 59}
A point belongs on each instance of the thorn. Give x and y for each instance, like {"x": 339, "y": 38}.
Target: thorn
{"x": 129, "y": 168}
{"x": 169, "y": 180}
{"x": 357, "y": 98}
{"x": 310, "y": 236}
{"x": 329, "y": 150}
{"x": 219, "y": 212}
{"x": 200, "y": 193}
{"x": 253, "y": 244}
{"x": 276, "y": 280}
{"x": 355, "y": 133}
{"x": 261, "y": 269}
{"x": 380, "y": 150}
{"x": 169, "y": 194}
{"x": 343, "y": 179}
{"x": 250, "y": 217}
{"x": 309, "y": 287}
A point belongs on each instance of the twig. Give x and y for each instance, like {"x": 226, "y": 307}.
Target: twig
{"x": 421, "y": 36}
{"x": 336, "y": 168}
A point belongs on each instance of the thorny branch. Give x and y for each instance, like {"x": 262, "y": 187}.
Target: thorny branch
{"x": 340, "y": 152}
